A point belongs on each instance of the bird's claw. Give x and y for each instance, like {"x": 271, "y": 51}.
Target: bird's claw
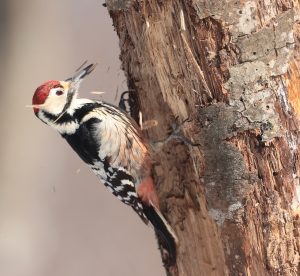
{"x": 176, "y": 133}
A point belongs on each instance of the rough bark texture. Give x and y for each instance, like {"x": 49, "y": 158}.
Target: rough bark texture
{"x": 232, "y": 67}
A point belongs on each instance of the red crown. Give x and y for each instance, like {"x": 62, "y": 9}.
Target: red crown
{"x": 42, "y": 92}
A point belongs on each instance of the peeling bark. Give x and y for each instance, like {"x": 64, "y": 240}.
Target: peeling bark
{"x": 232, "y": 67}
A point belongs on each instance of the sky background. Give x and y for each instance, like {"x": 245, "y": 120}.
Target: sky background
{"x": 56, "y": 218}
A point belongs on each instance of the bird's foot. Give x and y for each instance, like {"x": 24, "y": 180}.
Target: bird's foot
{"x": 175, "y": 132}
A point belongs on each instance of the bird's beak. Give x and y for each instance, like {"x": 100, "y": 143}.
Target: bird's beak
{"x": 75, "y": 81}
{"x": 81, "y": 73}
{"x": 72, "y": 84}
{"x": 85, "y": 71}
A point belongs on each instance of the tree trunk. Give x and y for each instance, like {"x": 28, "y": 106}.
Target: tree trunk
{"x": 232, "y": 68}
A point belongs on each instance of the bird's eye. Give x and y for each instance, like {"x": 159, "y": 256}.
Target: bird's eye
{"x": 59, "y": 92}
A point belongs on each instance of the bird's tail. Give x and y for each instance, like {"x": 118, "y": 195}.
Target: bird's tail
{"x": 164, "y": 232}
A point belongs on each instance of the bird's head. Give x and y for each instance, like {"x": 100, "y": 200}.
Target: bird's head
{"x": 56, "y": 97}
{"x": 51, "y": 96}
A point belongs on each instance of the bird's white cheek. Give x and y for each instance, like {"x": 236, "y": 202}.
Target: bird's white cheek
{"x": 55, "y": 105}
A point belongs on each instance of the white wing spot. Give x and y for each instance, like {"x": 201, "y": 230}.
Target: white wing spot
{"x": 119, "y": 188}
{"x": 127, "y": 182}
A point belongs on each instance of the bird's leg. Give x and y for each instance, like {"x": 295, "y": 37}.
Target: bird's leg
{"x": 175, "y": 133}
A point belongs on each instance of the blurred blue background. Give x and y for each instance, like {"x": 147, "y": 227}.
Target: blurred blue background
{"x": 56, "y": 218}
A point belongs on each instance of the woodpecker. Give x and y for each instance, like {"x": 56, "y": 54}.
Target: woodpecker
{"x": 110, "y": 142}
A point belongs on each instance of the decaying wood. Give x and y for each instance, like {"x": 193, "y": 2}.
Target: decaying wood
{"x": 232, "y": 67}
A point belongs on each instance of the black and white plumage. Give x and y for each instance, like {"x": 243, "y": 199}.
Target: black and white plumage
{"x": 110, "y": 142}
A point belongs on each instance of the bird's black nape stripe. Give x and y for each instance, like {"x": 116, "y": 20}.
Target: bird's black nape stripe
{"x": 65, "y": 118}
{"x": 85, "y": 109}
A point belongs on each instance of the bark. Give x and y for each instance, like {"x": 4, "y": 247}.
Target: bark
{"x": 232, "y": 67}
